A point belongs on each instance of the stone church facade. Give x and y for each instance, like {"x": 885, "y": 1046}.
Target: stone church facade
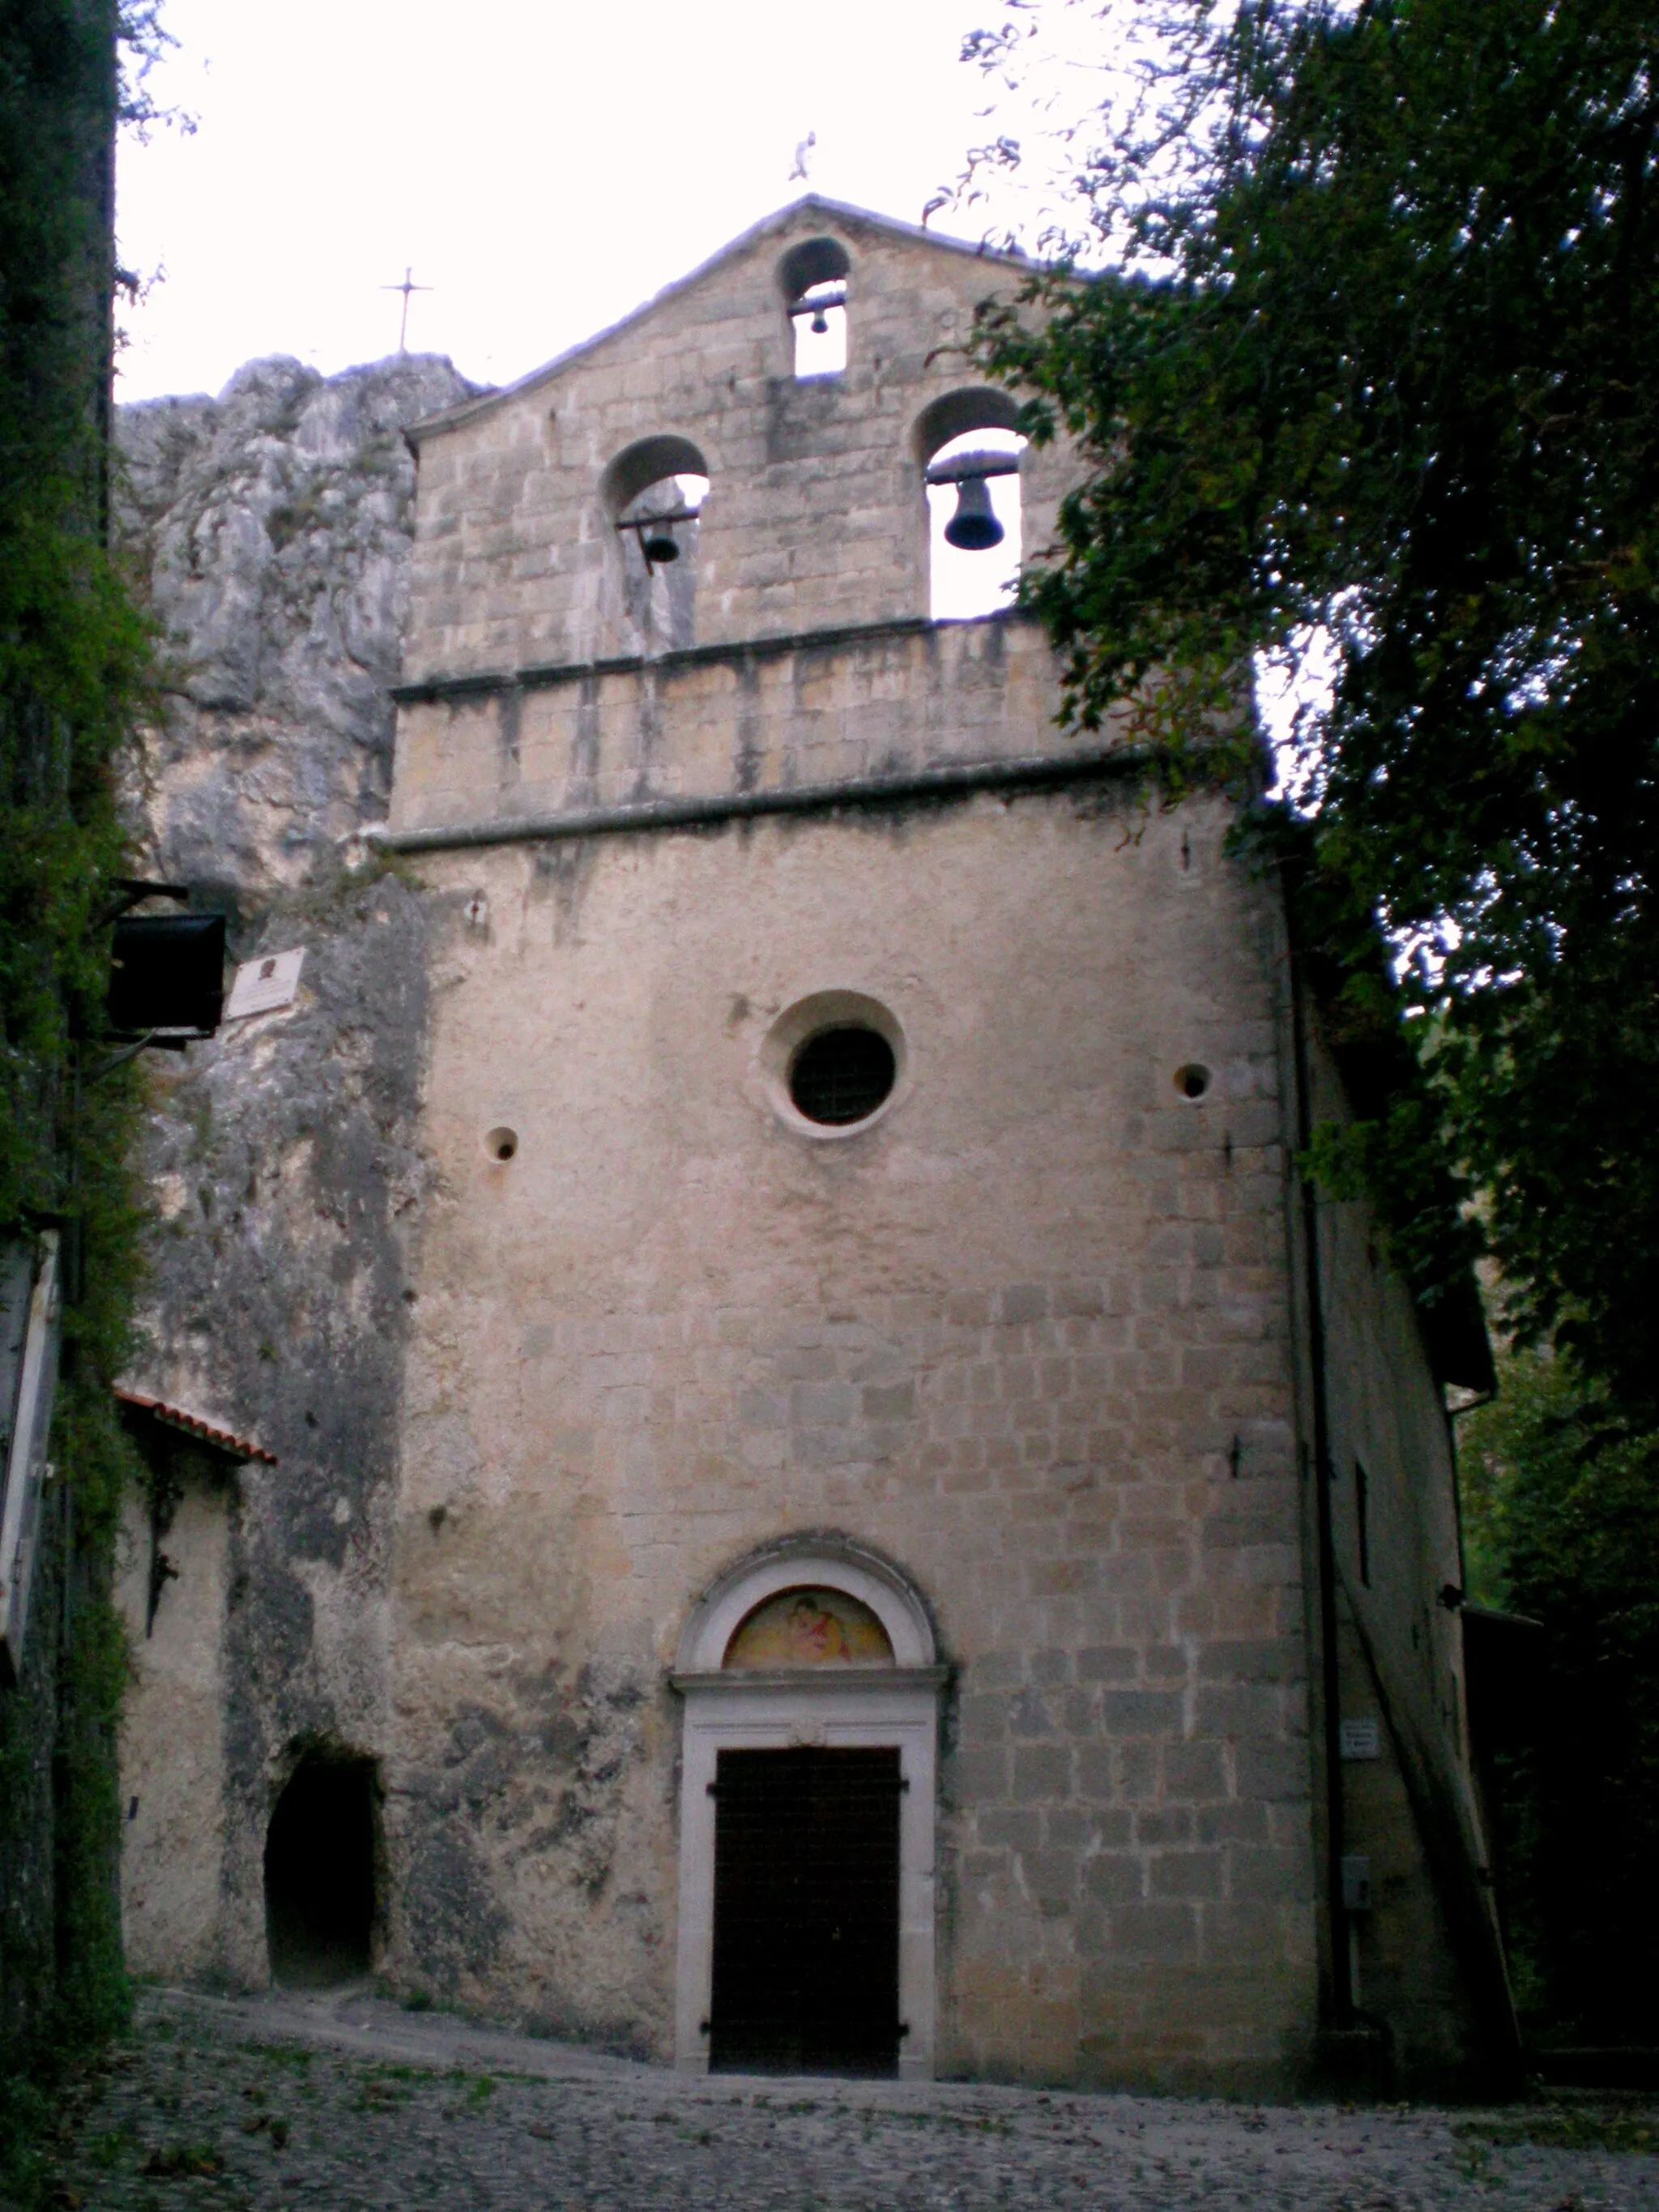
{"x": 903, "y": 1539}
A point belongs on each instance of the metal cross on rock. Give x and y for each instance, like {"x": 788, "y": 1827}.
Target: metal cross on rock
{"x": 405, "y": 287}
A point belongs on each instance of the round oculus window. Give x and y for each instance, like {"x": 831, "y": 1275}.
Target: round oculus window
{"x": 842, "y": 1075}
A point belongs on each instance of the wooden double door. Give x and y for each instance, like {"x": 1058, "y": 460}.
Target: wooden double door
{"x": 806, "y": 1912}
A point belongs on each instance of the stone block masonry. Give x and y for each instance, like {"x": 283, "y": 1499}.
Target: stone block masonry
{"x": 604, "y": 1337}
{"x": 1011, "y": 1338}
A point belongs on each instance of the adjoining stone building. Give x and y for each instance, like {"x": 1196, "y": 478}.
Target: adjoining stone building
{"x": 898, "y": 1536}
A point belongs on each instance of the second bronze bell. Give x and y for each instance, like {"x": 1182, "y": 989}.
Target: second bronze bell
{"x": 974, "y": 527}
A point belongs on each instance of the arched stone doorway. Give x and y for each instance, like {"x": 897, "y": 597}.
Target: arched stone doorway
{"x": 319, "y": 1872}
{"x": 812, "y": 1684}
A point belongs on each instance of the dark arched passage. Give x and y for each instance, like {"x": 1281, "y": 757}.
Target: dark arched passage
{"x": 319, "y": 1872}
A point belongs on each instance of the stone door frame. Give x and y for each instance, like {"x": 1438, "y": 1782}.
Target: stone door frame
{"x": 831, "y": 1706}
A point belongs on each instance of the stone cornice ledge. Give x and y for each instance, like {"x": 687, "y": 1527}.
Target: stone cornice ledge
{"x": 425, "y": 690}
{"x": 948, "y": 780}
{"x": 734, "y": 1678}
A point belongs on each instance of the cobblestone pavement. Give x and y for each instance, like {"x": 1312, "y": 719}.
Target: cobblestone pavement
{"x": 352, "y": 2104}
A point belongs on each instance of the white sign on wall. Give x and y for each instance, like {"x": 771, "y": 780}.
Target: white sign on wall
{"x": 265, "y": 985}
{"x": 1360, "y": 1739}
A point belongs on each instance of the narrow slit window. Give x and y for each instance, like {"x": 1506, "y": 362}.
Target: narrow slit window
{"x": 1362, "y": 1509}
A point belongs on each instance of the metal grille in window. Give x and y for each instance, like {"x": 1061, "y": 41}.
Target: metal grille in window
{"x": 842, "y": 1075}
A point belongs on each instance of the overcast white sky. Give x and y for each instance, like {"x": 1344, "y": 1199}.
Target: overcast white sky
{"x": 544, "y": 164}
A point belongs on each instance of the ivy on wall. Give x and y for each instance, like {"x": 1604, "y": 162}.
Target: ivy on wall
{"x": 76, "y": 676}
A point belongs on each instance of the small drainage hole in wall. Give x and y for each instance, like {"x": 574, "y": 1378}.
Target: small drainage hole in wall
{"x": 1192, "y": 1081}
{"x": 501, "y": 1144}
{"x": 320, "y": 1875}
{"x": 842, "y": 1075}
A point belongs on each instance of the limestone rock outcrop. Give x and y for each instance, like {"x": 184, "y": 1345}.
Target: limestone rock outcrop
{"x": 270, "y": 529}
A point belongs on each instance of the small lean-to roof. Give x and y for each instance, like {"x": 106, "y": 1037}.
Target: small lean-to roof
{"x": 853, "y": 218}
{"x": 192, "y": 1425}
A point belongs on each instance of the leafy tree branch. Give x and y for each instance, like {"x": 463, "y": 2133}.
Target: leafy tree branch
{"x": 1376, "y": 359}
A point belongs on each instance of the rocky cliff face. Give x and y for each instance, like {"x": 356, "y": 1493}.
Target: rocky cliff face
{"x": 273, "y": 524}
{"x": 287, "y": 1181}
{"x": 272, "y": 527}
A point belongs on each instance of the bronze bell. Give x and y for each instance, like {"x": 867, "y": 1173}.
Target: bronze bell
{"x": 820, "y": 322}
{"x": 974, "y": 527}
{"x": 657, "y": 542}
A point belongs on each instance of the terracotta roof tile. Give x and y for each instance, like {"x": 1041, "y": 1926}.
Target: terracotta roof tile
{"x": 192, "y": 1425}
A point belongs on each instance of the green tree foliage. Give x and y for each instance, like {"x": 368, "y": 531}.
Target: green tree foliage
{"x": 74, "y": 653}
{"x": 1380, "y": 361}
{"x": 75, "y": 676}
{"x": 1558, "y": 1500}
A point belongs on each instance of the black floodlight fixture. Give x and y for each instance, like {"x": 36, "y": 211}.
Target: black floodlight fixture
{"x": 166, "y": 982}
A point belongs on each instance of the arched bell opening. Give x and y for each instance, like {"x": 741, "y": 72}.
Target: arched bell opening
{"x": 320, "y": 1867}
{"x": 814, "y": 276}
{"x": 653, "y": 493}
{"x": 968, "y": 450}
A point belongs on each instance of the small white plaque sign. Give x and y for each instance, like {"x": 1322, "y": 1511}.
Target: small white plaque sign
{"x": 1360, "y": 1739}
{"x": 265, "y": 985}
